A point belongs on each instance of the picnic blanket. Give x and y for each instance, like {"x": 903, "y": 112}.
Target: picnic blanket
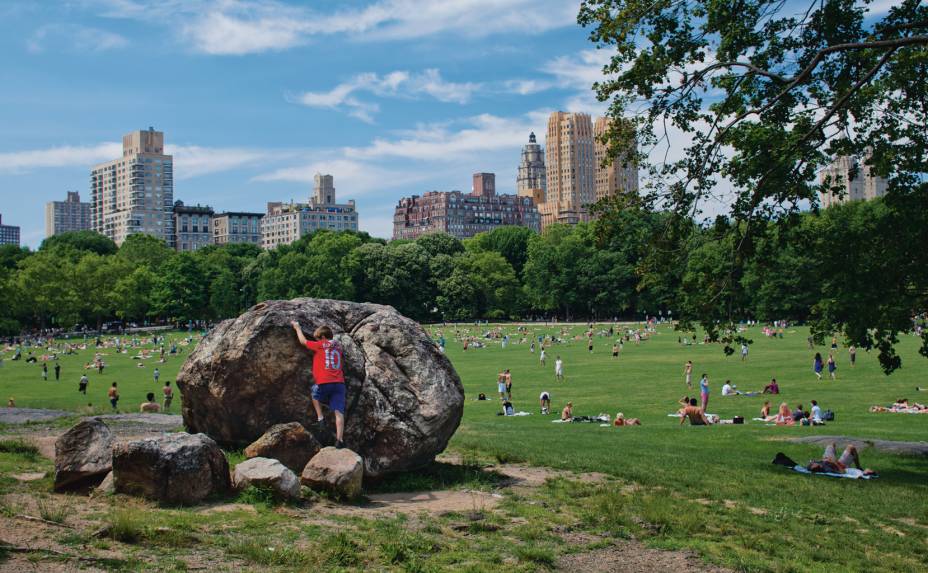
{"x": 849, "y": 473}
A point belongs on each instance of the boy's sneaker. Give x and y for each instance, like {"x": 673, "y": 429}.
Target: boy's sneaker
{"x": 339, "y": 445}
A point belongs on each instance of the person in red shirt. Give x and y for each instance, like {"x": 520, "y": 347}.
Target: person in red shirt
{"x": 329, "y": 388}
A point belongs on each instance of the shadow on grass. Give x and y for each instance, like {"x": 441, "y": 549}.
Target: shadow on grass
{"x": 440, "y": 475}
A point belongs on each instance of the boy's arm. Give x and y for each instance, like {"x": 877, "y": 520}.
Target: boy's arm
{"x": 299, "y": 332}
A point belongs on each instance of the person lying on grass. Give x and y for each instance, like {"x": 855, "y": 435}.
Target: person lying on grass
{"x": 695, "y": 414}
{"x": 621, "y": 420}
{"x": 832, "y": 465}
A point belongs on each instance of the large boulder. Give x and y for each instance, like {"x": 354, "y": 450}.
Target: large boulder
{"x": 174, "y": 468}
{"x": 404, "y": 398}
{"x": 83, "y": 455}
{"x": 290, "y": 444}
{"x": 264, "y": 472}
{"x": 336, "y": 471}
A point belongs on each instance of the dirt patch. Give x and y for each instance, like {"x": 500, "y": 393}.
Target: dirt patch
{"x": 28, "y": 476}
{"x": 26, "y": 415}
{"x": 530, "y": 476}
{"x": 436, "y": 502}
{"x": 229, "y": 508}
{"x": 634, "y": 557}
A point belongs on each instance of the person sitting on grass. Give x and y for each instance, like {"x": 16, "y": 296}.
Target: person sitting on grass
{"x": 620, "y": 420}
{"x": 508, "y": 410}
{"x": 567, "y": 414}
{"x": 729, "y": 389}
{"x": 150, "y": 406}
{"x": 834, "y": 465}
{"x": 784, "y": 417}
{"x": 329, "y": 388}
{"x": 695, "y": 414}
{"x": 765, "y": 410}
{"x": 798, "y": 414}
{"x": 772, "y": 388}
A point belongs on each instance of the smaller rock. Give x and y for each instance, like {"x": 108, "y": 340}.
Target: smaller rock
{"x": 336, "y": 471}
{"x": 106, "y": 486}
{"x": 174, "y": 468}
{"x": 290, "y": 444}
{"x": 83, "y": 455}
{"x": 265, "y": 472}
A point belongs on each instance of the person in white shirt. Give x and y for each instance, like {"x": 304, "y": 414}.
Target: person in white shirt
{"x": 559, "y": 369}
{"x": 816, "y": 412}
{"x": 728, "y": 389}
{"x": 542, "y": 356}
{"x": 545, "y": 400}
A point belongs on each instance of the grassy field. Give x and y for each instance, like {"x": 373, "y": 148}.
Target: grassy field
{"x": 710, "y": 489}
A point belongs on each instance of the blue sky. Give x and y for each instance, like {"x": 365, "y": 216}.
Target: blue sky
{"x": 392, "y": 97}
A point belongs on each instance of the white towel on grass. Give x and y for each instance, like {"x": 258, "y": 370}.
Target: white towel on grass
{"x": 849, "y": 473}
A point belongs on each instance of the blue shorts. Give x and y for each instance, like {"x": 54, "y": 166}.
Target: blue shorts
{"x": 331, "y": 394}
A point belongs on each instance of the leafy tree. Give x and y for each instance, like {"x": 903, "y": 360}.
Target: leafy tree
{"x": 10, "y": 255}
{"x": 45, "y": 281}
{"x": 141, "y": 249}
{"x": 509, "y": 241}
{"x": 439, "y": 244}
{"x": 766, "y": 93}
{"x": 83, "y": 241}
{"x": 132, "y": 294}
{"x": 180, "y": 291}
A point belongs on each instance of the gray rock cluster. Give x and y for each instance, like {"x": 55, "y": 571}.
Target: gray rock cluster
{"x": 404, "y": 398}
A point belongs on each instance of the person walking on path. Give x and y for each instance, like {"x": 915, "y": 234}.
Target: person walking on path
{"x": 82, "y": 385}
{"x": 156, "y": 374}
{"x": 559, "y": 369}
{"x": 45, "y": 372}
{"x": 852, "y": 350}
{"x": 688, "y": 373}
{"x": 832, "y": 367}
{"x": 817, "y": 365}
{"x": 57, "y": 372}
{"x": 168, "y": 393}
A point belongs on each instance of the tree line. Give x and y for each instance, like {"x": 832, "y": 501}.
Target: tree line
{"x": 844, "y": 269}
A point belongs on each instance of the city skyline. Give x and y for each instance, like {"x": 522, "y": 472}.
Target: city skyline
{"x": 251, "y": 117}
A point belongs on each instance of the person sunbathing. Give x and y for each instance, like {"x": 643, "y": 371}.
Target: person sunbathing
{"x": 834, "y": 465}
{"x": 620, "y": 420}
{"x": 695, "y": 414}
{"x": 567, "y": 414}
{"x": 784, "y": 417}
{"x": 765, "y": 410}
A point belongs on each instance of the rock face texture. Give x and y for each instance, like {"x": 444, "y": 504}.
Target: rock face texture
{"x": 336, "y": 471}
{"x": 290, "y": 444}
{"x": 174, "y": 468}
{"x": 268, "y": 473}
{"x": 83, "y": 455}
{"x": 404, "y": 398}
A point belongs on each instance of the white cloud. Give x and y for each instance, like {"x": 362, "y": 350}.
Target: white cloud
{"x": 235, "y": 27}
{"x": 394, "y": 84}
{"x": 578, "y": 71}
{"x": 354, "y": 178}
{"x": 64, "y": 156}
{"x": 190, "y": 160}
{"x": 437, "y": 142}
{"x": 73, "y": 37}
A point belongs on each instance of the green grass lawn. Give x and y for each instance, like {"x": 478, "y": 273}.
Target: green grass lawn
{"x": 710, "y": 489}
{"x": 774, "y": 519}
{"x": 23, "y": 382}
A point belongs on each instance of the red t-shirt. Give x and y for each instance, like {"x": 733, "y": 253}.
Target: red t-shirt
{"x": 327, "y": 361}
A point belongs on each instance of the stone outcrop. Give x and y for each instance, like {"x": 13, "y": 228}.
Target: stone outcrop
{"x": 264, "y": 472}
{"x": 404, "y": 398}
{"x": 340, "y": 472}
{"x": 174, "y": 468}
{"x": 290, "y": 444}
{"x": 83, "y": 455}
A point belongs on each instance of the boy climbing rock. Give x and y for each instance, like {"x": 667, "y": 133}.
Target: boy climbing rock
{"x": 329, "y": 388}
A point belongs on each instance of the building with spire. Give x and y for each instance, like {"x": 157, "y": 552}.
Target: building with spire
{"x": 531, "y": 169}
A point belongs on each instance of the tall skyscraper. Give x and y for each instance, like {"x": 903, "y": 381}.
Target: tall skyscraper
{"x": 68, "y": 215}
{"x": 531, "y": 168}
{"x": 284, "y": 223}
{"x": 621, "y": 174}
{"x": 484, "y": 185}
{"x": 571, "y": 169}
{"x": 9, "y": 235}
{"x": 863, "y": 186}
{"x": 135, "y": 193}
